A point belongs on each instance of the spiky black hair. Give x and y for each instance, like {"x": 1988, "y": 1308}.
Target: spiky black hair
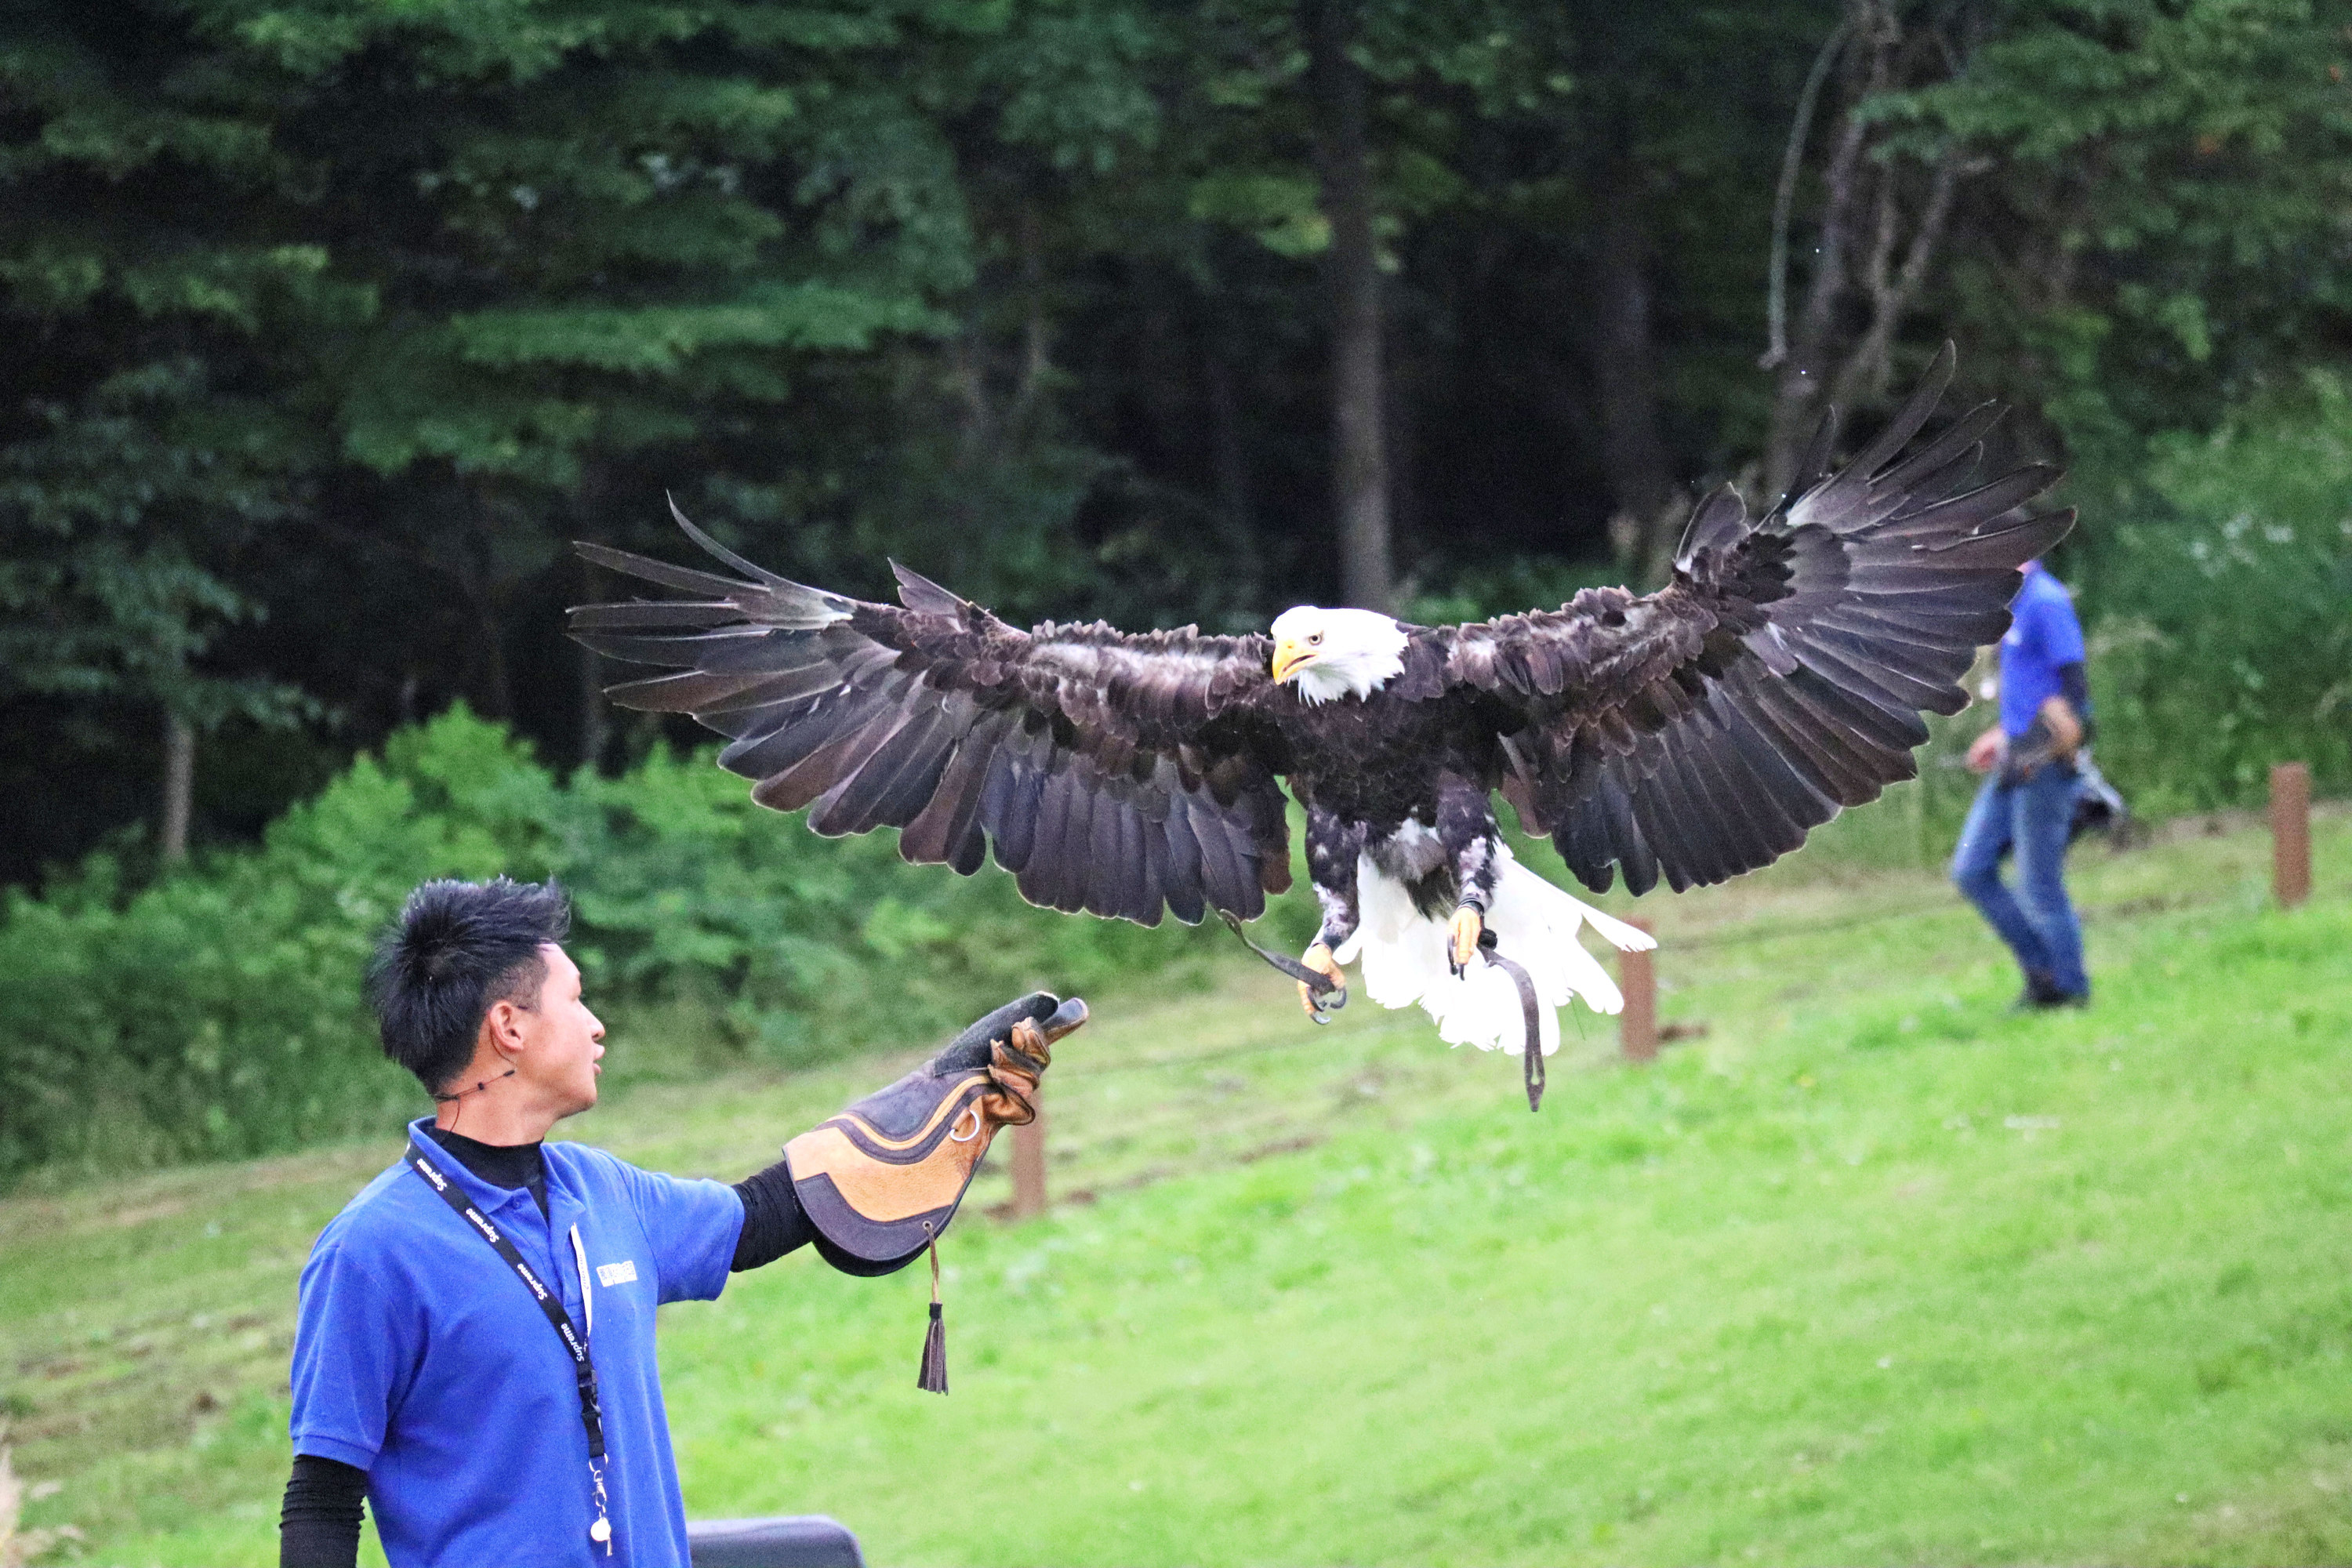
{"x": 457, "y": 948}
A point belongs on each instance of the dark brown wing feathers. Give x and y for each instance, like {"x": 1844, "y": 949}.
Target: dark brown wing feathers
{"x": 1703, "y": 730}
{"x": 1117, "y": 774}
{"x": 1692, "y": 734}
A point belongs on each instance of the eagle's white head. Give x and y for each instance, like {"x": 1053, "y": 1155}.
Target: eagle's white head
{"x": 1337, "y": 653}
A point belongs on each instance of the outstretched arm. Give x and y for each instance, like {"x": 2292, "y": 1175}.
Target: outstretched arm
{"x": 773, "y": 1221}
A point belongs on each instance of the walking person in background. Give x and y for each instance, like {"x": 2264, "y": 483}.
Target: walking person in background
{"x": 2027, "y": 803}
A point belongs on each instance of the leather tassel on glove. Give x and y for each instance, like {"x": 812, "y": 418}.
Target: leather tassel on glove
{"x": 881, "y": 1181}
{"x": 933, "y": 1378}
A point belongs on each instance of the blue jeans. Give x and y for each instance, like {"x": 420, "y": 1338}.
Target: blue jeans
{"x": 2037, "y": 922}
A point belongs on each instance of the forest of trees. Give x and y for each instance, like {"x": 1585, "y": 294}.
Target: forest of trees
{"x": 329, "y": 322}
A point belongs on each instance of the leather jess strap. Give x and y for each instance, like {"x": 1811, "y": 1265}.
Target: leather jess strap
{"x": 1329, "y": 995}
{"x": 1530, "y": 1017}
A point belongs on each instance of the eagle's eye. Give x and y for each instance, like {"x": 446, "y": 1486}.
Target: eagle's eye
{"x": 1313, "y": 639}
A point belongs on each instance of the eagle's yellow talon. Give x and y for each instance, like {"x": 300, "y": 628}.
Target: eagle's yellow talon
{"x": 1467, "y": 927}
{"x": 1319, "y": 959}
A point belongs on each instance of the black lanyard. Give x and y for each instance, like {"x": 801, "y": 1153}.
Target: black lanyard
{"x": 575, "y": 1344}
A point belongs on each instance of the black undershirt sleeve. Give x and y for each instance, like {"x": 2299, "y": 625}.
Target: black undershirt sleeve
{"x": 2074, "y": 685}
{"x": 773, "y": 1221}
{"x": 319, "y": 1527}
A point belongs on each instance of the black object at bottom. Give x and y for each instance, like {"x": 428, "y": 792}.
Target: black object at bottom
{"x": 2099, "y": 807}
{"x": 807, "y": 1541}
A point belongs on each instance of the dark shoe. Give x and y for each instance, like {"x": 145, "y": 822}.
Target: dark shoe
{"x": 2041, "y": 991}
{"x": 2042, "y": 994}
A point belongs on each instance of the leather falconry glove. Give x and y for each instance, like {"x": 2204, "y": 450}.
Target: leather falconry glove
{"x": 880, "y": 1182}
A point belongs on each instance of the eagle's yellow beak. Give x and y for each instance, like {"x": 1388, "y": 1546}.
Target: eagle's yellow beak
{"x": 1288, "y": 656}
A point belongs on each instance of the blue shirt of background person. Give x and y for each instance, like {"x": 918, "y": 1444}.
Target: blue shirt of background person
{"x": 2044, "y": 637}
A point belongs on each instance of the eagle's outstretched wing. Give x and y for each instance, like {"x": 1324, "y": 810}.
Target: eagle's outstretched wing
{"x": 1700, "y": 732}
{"x": 1113, "y": 774}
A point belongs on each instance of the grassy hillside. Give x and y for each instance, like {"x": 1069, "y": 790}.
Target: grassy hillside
{"x": 1868, "y": 1271}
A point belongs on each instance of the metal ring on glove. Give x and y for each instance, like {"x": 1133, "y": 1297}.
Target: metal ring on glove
{"x": 972, "y": 1111}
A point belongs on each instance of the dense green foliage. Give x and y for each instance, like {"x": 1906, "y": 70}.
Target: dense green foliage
{"x": 333, "y": 320}
{"x": 2230, "y": 647}
{"x": 217, "y": 1013}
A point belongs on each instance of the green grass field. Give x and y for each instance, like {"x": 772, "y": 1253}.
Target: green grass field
{"x": 1868, "y": 1271}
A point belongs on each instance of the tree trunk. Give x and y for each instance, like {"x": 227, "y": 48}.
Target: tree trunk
{"x": 1358, "y": 454}
{"x": 1229, "y": 465}
{"x": 595, "y": 485}
{"x": 1399, "y": 455}
{"x": 1625, "y": 377}
{"x": 1881, "y": 230}
{"x": 1800, "y": 393}
{"x": 1034, "y": 361}
{"x": 179, "y": 787}
{"x": 496, "y": 691}
{"x": 474, "y": 567}
{"x": 592, "y": 699}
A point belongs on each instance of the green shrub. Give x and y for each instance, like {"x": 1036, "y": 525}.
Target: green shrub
{"x": 216, "y": 1014}
{"x": 2221, "y": 635}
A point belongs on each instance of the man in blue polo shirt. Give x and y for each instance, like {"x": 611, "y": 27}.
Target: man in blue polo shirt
{"x": 2027, "y": 801}
{"x": 475, "y": 1349}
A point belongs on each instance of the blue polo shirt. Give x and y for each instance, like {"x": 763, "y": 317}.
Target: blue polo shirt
{"x": 2043, "y": 633}
{"x": 420, "y": 1358}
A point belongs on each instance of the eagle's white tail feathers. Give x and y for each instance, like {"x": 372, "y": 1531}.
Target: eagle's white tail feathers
{"x": 1611, "y": 929}
{"x": 1403, "y": 954}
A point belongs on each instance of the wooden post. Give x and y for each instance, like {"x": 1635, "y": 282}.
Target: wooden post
{"x": 1637, "y": 1026}
{"x": 1029, "y": 1166}
{"x": 2291, "y": 833}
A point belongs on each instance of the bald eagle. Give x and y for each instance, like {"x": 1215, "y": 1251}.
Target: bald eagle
{"x": 1690, "y": 734}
